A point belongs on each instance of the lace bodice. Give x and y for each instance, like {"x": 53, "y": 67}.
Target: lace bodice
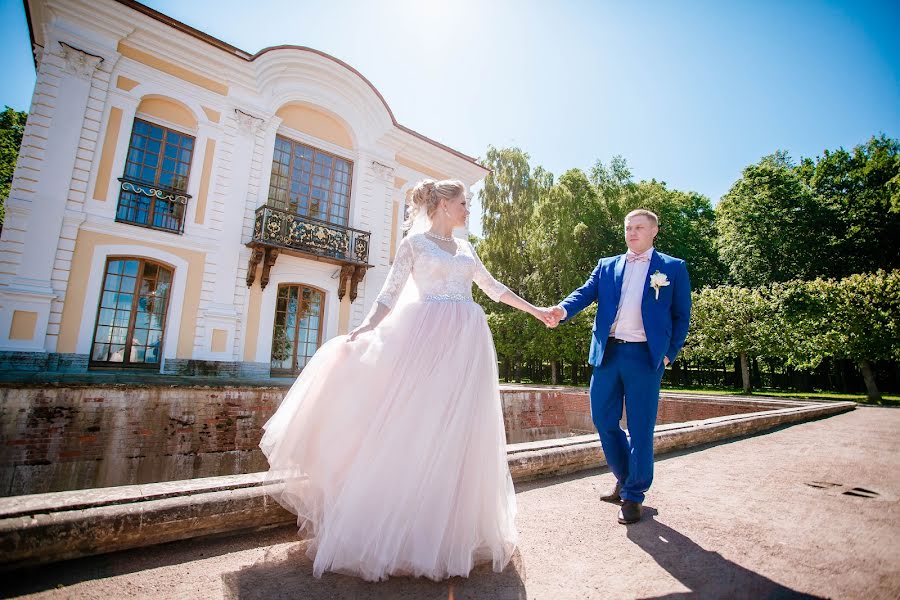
{"x": 438, "y": 275}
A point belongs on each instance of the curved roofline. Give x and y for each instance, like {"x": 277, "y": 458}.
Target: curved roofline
{"x": 371, "y": 85}
{"x": 213, "y": 41}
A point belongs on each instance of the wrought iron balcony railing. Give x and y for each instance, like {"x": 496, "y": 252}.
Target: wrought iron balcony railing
{"x": 151, "y": 205}
{"x": 289, "y": 231}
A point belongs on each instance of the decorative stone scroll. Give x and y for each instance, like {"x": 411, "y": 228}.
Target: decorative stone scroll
{"x": 248, "y": 124}
{"x": 382, "y": 170}
{"x": 79, "y": 63}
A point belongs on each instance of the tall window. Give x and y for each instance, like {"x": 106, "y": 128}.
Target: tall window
{"x": 153, "y": 192}
{"x": 310, "y": 183}
{"x": 131, "y": 317}
{"x": 297, "y": 333}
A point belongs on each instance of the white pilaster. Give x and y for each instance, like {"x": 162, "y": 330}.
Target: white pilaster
{"x": 40, "y": 197}
{"x": 221, "y": 311}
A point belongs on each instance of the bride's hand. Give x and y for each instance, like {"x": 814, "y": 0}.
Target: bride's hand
{"x": 351, "y": 337}
{"x": 546, "y": 316}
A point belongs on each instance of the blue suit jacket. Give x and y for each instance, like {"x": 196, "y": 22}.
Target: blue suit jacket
{"x": 665, "y": 320}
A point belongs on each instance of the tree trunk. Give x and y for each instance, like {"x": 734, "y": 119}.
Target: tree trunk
{"x": 745, "y": 373}
{"x": 845, "y": 387}
{"x": 506, "y": 369}
{"x": 676, "y": 373}
{"x": 518, "y": 370}
{"x": 554, "y": 372}
{"x": 869, "y": 377}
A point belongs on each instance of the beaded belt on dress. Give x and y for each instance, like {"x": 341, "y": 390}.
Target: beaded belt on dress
{"x": 446, "y": 298}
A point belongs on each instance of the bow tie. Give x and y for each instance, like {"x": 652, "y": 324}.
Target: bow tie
{"x": 637, "y": 258}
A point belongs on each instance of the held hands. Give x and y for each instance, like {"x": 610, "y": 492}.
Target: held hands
{"x": 558, "y": 314}
{"x": 550, "y": 316}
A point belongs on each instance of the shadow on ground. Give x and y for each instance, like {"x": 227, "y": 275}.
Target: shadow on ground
{"x": 287, "y": 573}
{"x": 707, "y": 574}
{"x": 31, "y": 580}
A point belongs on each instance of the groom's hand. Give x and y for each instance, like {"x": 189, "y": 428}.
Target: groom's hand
{"x": 558, "y": 314}
{"x": 545, "y": 317}
{"x": 551, "y": 316}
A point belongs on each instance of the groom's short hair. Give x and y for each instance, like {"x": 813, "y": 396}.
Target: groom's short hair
{"x": 643, "y": 212}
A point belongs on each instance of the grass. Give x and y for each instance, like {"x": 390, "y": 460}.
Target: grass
{"x": 886, "y": 400}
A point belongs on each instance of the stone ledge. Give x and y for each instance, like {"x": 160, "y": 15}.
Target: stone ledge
{"x": 45, "y": 528}
{"x": 547, "y": 458}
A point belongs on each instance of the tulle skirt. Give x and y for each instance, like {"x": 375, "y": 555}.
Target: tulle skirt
{"x": 392, "y": 448}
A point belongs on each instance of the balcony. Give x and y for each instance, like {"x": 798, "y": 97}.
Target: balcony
{"x": 151, "y": 205}
{"x": 276, "y": 231}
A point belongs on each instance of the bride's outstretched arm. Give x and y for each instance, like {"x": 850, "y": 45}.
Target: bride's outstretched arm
{"x": 542, "y": 314}
{"x": 500, "y": 293}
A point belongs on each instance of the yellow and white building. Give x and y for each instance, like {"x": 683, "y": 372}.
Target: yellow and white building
{"x": 182, "y": 206}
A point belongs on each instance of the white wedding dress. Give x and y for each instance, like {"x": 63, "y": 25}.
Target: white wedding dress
{"x": 392, "y": 447}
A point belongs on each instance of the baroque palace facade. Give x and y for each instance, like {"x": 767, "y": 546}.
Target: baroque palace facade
{"x": 182, "y": 206}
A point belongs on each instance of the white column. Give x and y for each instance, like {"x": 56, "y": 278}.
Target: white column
{"x": 221, "y": 312}
{"x": 40, "y": 197}
{"x": 373, "y": 214}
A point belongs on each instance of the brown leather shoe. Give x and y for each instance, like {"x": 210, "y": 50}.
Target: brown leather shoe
{"x": 613, "y": 495}
{"x": 630, "y": 512}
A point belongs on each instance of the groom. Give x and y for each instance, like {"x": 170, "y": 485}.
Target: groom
{"x": 643, "y": 310}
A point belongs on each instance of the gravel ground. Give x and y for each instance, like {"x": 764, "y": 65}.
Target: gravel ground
{"x": 767, "y": 516}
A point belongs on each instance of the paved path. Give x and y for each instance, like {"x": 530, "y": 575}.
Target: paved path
{"x": 762, "y": 517}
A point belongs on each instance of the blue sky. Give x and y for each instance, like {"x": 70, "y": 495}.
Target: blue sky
{"x": 688, "y": 92}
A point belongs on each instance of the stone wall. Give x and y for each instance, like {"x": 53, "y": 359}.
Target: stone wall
{"x": 65, "y": 438}
{"x": 68, "y": 437}
{"x": 674, "y": 409}
{"x": 545, "y": 413}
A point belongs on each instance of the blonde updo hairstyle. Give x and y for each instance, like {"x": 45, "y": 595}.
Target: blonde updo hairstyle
{"x": 427, "y": 196}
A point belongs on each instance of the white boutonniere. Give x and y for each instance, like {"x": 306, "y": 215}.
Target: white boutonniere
{"x": 658, "y": 280}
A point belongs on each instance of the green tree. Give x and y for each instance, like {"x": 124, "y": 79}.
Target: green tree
{"x": 772, "y": 227}
{"x": 510, "y": 193}
{"x": 861, "y": 191}
{"x": 729, "y": 322}
{"x": 856, "y": 318}
{"x": 867, "y": 322}
{"x": 12, "y": 126}
{"x": 562, "y": 237}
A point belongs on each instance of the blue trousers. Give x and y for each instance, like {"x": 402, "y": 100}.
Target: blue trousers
{"x": 626, "y": 374}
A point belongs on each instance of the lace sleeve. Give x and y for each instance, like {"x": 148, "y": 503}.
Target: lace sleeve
{"x": 398, "y": 275}
{"x": 490, "y": 286}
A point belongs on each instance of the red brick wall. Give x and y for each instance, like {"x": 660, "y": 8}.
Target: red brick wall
{"x": 575, "y": 406}
{"x": 532, "y": 415}
{"x": 680, "y": 410}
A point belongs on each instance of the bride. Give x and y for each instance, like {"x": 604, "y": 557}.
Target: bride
{"x": 391, "y": 443}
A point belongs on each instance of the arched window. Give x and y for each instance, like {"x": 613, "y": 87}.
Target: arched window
{"x": 131, "y": 317}
{"x": 297, "y": 332}
{"x": 310, "y": 182}
{"x": 154, "y": 187}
